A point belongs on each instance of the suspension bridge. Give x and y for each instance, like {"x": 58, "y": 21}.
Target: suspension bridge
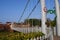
{"x": 43, "y": 28}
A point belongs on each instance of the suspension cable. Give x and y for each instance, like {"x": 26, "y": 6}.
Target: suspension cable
{"x": 33, "y": 9}
{"x": 24, "y": 11}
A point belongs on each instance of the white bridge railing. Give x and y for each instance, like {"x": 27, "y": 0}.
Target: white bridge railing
{"x": 27, "y": 29}
{"x": 33, "y": 29}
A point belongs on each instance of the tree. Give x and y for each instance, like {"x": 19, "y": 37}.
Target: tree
{"x": 33, "y": 22}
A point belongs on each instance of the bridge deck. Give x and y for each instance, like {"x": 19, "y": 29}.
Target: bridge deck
{"x": 56, "y": 37}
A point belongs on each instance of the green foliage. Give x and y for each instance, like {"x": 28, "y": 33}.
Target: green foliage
{"x": 19, "y": 36}
{"x": 53, "y": 23}
{"x": 33, "y": 22}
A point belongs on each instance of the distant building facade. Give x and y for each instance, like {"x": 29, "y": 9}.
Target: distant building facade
{"x": 5, "y": 27}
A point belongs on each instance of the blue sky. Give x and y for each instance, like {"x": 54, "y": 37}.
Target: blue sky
{"x": 11, "y": 10}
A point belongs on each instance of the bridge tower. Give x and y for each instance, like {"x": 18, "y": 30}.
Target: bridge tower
{"x": 43, "y": 8}
{"x": 58, "y": 17}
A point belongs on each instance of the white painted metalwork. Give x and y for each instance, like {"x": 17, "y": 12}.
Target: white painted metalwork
{"x": 43, "y": 16}
{"x": 58, "y": 17}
